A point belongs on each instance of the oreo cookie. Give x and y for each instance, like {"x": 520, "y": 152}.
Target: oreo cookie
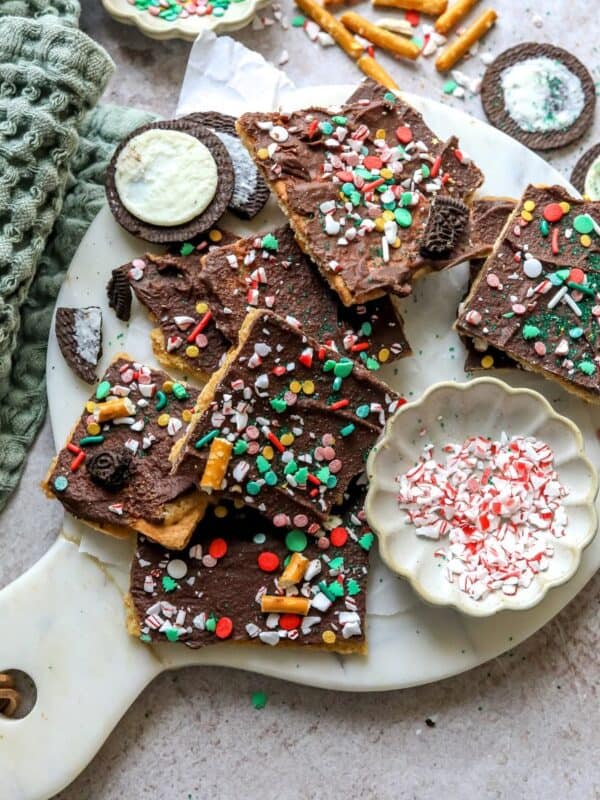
{"x": 250, "y": 192}
{"x": 79, "y": 335}
{"x": 586, "y": 173}
{"x": 109, "y": 468}
{"x": 539, "y": 94}
{"x": 446, "y": 222}
{"x": 171, "y": 186}
{"x": 119, "y": 294}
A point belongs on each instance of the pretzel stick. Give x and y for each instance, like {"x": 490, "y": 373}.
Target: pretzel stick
{"x": 432, "y": 8}
{"x": 453, "y": 15}
{"x": 332, "y": 25}
{"x": 328, "y": 3}
{"x": 374, "y": 70}
{"x": 294, "y": 572}
{"x": 216, "y": 465}
{"x": 284, "y": 604}
{"x": 455, "y": 51}
{"x": 379, "y": 36}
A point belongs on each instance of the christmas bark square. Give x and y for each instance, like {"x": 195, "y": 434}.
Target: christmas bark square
{"x": 375, "y": 198}
{"x": 272, "y": 272}
{"x": 285, "y": 425}
{"x": 114, "y": 471}
{"x": 537, "y": 298}
{"x": 241, "y": 581}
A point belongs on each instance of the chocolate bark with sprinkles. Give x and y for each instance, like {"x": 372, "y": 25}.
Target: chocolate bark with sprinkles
{"x": 172, "y": 289}
{"x": 537, "y": 298}
{"x": 285, "y": 425}
{"x": 212, "y": 592}
{"x": 272, "y": 272}
{"x": 356, "y": 182}
{"x": 114, "y": 471}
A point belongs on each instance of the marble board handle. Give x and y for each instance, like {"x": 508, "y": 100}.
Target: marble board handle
{"x": 62, "y": 623}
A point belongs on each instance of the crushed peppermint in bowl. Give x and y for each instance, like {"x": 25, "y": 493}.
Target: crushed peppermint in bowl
{"x": 482, "y": 496}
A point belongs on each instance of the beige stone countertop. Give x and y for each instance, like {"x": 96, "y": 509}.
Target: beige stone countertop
{"x": 526, "y": 724}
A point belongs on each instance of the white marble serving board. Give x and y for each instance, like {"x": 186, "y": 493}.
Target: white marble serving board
{"x": 62, "y": 622}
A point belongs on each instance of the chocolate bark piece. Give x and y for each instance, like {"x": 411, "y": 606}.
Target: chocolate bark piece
{"x": 250, "y": 192}
{"x": 536, "y": 299}
{"x": 356, "y": 183}
{"x": 114, "y": 471}
{"x": 182, "y": 596}
{"x": 79, "y": 335}
{"x": 171, "y": 288}
{"x": 301, "y": 419}
{"x": 199, "y": 224}
{"x": 493, "y": 101}
{"x": 272, "y": 272}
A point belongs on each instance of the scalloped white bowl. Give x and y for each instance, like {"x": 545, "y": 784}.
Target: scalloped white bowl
{"x": 451, "y": 412}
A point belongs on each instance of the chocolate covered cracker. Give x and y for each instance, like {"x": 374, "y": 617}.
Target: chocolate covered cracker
{"x": 356, "y": 183}
{"x": 114, "y": 471}
{"x": 272, "y": 272}
{"x": 537, "y": 296}
{"x": 212, "y": 591}
{"x": 285, "y": 425}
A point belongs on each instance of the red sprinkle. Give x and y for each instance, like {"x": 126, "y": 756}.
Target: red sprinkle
{"x": 372, "y": 162}
{"x": 369, "y": 187}
{"x": 554, "y": 242}
{"x": 268, "y": 561}
{"x": 200, "y": 326}
{"x": 312, "y": 129}
{"x": 413, "y": 17}
{"x": 404, "y": 134}
{"x": 435, "y": 167}
{"x": 322, "y": 353}
{"x": 339, "y": 404}
{"x": 77, "y": 461}
{"x": 338, "y": 537}
{"x": 577, "y": 276}
{"x": 290, "y": 621}
{"x": 371, "y": 51}
{"x": 359, "y": 347}
{"x": 73, "y": 448}
{"x": 275, "y": 441}
{"x": 553, "y": 212}
{"x": 217, "y": 548}
{"x": 224, "y": 628}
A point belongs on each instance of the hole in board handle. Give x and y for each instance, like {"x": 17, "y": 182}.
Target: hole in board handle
{"x": 18, "y": 694}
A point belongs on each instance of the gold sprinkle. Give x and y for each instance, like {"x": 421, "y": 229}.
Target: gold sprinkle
{"x": 487, "y": 362}
{"x": 163, "y": 420}
{"x": 90, "y": 406}
{"x": 192, "y": 351}
{"x": 328, "y": 637}
{"x": 93, "y": 429}
{"x": 286, "y": 439}
{"x": 380, "y": 134}
{"x": 383, "y": 355}
{"x": 386, "y": 173}
{"x": 388, "y": 215}
{"x": 308, "y": 387}
{"x": 379, "y": 223}
{"x": 397, "y": 243}
{"x": 268, "y": 452}
{"x": 565, "y": 207}
{"x": 221, "y": 512}
{"x": 262, "y": 153}
{"x": 526, "y": 215}
{"x": 215, "y": 235}
{"x": 237, "y": 503}
{"x": 585, "y": 240}
{"x": 186, "y": 415}
{"x": 528, "y": 205}
{"x": 167, "y": 387}
{"x": 201, "y": 307}
{"x": 295, "y": 387}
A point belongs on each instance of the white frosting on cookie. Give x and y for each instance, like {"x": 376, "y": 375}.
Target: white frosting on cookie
{"x": 88, "y": 333}
{"x": 165, "y": 177}
{"x": 542, "y": 95}
{"x": 592, "y": 180}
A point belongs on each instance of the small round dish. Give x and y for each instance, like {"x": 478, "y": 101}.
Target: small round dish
{"x": 451, "y": 412}
{"x": 237, "y": 15}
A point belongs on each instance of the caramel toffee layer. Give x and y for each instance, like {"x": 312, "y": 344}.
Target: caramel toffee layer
{"x": 537, "y": 299}
{"x": 212, "y": 591}
{"x": 301, "y": 420}
{"x": 115, "y": 469}
{"x": 272, "y": 272}
{"x": 357, "y": 182}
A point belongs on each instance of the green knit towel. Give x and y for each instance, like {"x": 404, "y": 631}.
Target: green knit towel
{"x": 53, "y": 154}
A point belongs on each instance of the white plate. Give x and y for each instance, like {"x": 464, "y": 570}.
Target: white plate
{"x": 409, "y": 642}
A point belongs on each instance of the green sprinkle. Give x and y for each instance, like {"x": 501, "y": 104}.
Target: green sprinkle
{"x": 327, "y": 591}
{"x": 581, "y": 288}
{"x": 168, "y": 584}
{"x": 91, "y": 440}
{"x": 301, "y": 476}
{"x": 296, "y": 541}
{"x": 253, "y": 488}
{"x": 328, "y": 365}
{"x": 270, "y": 242}
{"x": 337, "y": 563}
{"x": 366, "y": 541}
{"x": 103, "y": 390}
{"x": 347, "y": 188}
{"x": 144, "y": 637}
{"x": 326, "y": 128}
{"x": 323, "y": 474}
{"x": 583, "y": 223}
{"x": 449, "y": 87}
{"x": 339, "y": 119}
{"x": 240, "y": 447}
{"x": 544, "y": 227}
{"x": 337, "y": 384}
{"x": 290, "y": 468}
{"x": 259, "y": 700}
{"x": 406, "y": 199}
{"x": 172, "y": 634}
{"x": 336, "y": 589}
{"x": 372, "y": 363}
{"x": 262, "y": 465}
{"x": 352, "y": 587}
{"x": 187, "y": 249}
{"x": 278, "y": 404}
{"x": 530, "y": 331}
{"x": 508, "y": 315}
{"x": 207, "y": 439}
{"x": 271, "y": 478}
{"x": 587, "y": 367}
{"x": 343, "y": 368}
{"x": 347, "y": 429}
{"x": 211, "y": 623}
{"x": 60, "y": 483}
{"x": 217, "y": 12}
{"x": 331, "y": 482}
{"x": 180, "y": 391}
{"x": 576, "y": 333}
{"x": 390, "y": 97}
{"x": 161, "y": 401}
{"x": 426, "y": 172}
{"x": 355, "y": 198}
{"x": 366, "y": 329}
{"x": 259, "y": 538}
{"x": 403, "y": 217}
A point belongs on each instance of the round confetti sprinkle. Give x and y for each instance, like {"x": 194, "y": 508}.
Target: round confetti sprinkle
{"x": 177, "y": 568}
{"x": 328, "y": 637}
{"x": 487, "y": 362}
{"x": 296, "y": 541}
{"x": 221, "y": 512}
{"x": 217, "y": 548}
{"x": 186, "y": 415}
{"x": 268, "y": 561}
{"x": 553, "y": 212}
{"x": 290, "y": 621}
{"x": 323, "y": 543}
{"x": 224, "y": 628}
{"x": 308, "y": 387}
{"x": 532, "y": 268}
{"x": 403, "y": 217}
{"x": 192, "y": 351}
{"x": 163, "y": 420}
{"x": 338, "y": 537}
{"x": 167, "y": 387}
{"x": 583, "y": 223}
{"x": 529, "y": 205}
{"x": 259, "y": 538}
{"x": 215, "y": 235}
{"x": 286, "y": 439}
{"x": 577, "y": 276}
{"x": 201, "y": 308}
{"x": 585, "y": 240}
{"x": 60, "y": 483}
{"x": 93, "y": 429}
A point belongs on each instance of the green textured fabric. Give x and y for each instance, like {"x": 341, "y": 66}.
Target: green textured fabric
{"x": 53, "y": 153}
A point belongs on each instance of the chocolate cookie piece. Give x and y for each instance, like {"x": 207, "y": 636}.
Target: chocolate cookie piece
{"x": 79, "y": 335}
{"x": 581, "y": 173}
{"x": 250, "y": 192}
{"x": 297, "y": 419}
{"x": 447, "y": 220}
{"x": 163, "y": 234}
{"x": 212, "y": 591}
{"x": 356, "y": 183}
{"x": 550, "y": 67}
{"x": 536, "y": 299}
{"x": 114, "y": 472}
{"x": 119, "y": 293}
{"x": 272, "y": 272}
